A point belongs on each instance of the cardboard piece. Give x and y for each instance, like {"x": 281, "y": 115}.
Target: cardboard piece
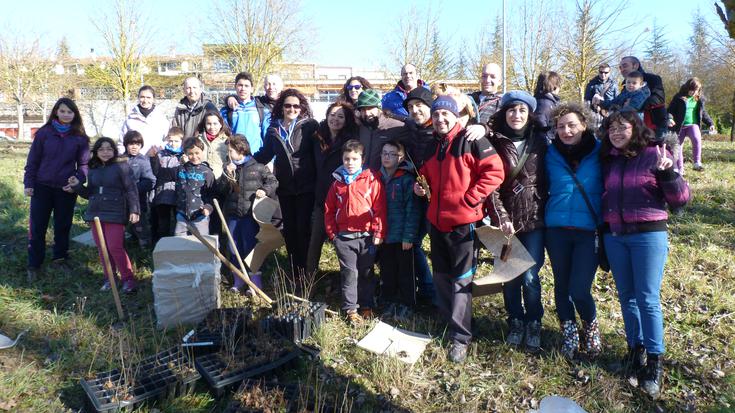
{"x": 269, "y": 237}
{"x": 85, "y": 239}
{"x": 503, "y": 271}
{"x": 386, "y": 340}
{"x": 186, "y": 280}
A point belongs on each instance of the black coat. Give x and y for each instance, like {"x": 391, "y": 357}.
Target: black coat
{"x": 240, "y": 194}
{"x": 678, "y": 107}
{"x": 326, "y": 162}
{"x": 421, "y": 144}
{"x": 111, "y": 191}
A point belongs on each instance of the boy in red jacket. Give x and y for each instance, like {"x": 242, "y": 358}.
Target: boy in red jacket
{"x": 460, "y": 175}
{"x": 354, "y": 218}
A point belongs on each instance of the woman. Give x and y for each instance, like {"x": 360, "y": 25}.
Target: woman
{"x": 352, "y": 89}
{"x": 639, "y": 182}
{"x": 60, "y": 149}
{"x": 467, "y": 106}
{"x": 290, "y": 140}
{"x": 517, "y": 208}
{"x": 338, "y": 127}
{"x": 147, "y": 119}
{"x": 548, "y": 86}
{"x": 574, "y": 181}
{"x": 687, "y": 109}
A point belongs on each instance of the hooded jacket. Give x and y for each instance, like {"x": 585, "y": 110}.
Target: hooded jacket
{"x": 403, "y": 207}
{"x": 355, "y": 207}
{"x": 188, "y": 116}
{"x": 112, "y": 193}
{"x": 250, "y": 119}
{"x": 393, "y": 100}
{"x": 294, "y": 159}
{"x": 240, "y": 195}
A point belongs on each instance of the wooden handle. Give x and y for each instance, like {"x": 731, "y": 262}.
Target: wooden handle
{"x": 108, "y": 267}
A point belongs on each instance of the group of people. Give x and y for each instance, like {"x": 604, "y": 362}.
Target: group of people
{"x": 379, "y": 174}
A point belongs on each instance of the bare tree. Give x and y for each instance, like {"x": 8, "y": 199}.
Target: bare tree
{"x": 534, "y": 51}
{"x": 24, "y": 67}
{"x": 257, "y": 35}
{"x": 125, "y": 33}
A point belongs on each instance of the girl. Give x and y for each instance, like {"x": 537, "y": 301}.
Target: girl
{"x": 213, "y": 132}
{"x": 517, "y": 207}
{"x": 548, "y": 86}
{"x": 639, "y": 182}
{"x": 243, "y": 181}
{"x": 113, "y": 197}
{"x": 687, "y": 109}
{"x": 60, "y": 149}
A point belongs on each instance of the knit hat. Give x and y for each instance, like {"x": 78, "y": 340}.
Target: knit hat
{"x": 518, "y": 96}
{"x": 447, "y": 103}
{"x": 421, "y": 93}
{"x": 368, "y": 98}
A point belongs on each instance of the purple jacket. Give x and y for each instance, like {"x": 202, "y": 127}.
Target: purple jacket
{"x": 635, "y": 193}
{"x": 54, "y": 157}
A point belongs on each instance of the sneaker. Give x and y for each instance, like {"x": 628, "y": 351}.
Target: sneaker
{"x": 129, "y": 287}
{"x": 353, "y": 318}
{"x": 515, "y": 335}
{"x": 366, "y": 313}
{"x": 592, "y": 341}
{"x": 458, "y": 352}
{"x": 653, "y": 376}
{"x": 698, "y": 167}
{"x": 570, "y": 339}
{"x": 235, "y": 290}
{"x": 106, "y": 286}
{"x": 32, "y": 274}
{"x": 533, "y": 336}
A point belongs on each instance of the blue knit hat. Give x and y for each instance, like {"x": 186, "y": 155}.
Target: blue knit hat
{"x": 518, "y": 96}
{"x": 447, "y": 103}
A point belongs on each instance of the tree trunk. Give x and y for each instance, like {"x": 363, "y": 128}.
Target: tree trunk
{"x": 732, "y": 126}
{"x": 21, "y": 123}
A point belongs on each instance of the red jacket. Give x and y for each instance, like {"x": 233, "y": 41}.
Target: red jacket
{"x": 466, "y": 174}
{"x": 356, "y": 207}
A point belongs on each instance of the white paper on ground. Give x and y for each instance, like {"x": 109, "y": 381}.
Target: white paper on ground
{"x": 386, "y": 340}
{"x": 558, "y": 404}
{"x": 503, "y": 271}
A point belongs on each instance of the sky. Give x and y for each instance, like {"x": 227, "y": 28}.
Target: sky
{"x": 343, "y": 33}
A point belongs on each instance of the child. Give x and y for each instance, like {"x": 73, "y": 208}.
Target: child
{"x": 194, "y": 190}
{"x": 354, "y": 217}
{"x": 213, "y": 132}
{"x": 633, "y": 97}
{"x": 165, "y": 166}
{"x": 113, "y": 198}
{"x": 143, "y": 178}
{"x": 60, "y": 148}
{"x": 403, "y": 215}
{"x": 244, "y": 180}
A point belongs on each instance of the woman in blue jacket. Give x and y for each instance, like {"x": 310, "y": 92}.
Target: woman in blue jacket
{"x": 572, "y": 160}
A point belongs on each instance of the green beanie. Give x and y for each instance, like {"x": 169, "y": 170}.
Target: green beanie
{"x": 368, "y": 98}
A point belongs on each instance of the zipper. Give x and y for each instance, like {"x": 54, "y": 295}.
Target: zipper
{"x": 622, "y": 189}
{"x": 442, "y": 149}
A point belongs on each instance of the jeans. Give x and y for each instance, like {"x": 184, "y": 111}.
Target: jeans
{"x": 574, "y": 264}
{"x": 525, "y": 290}
{"x": 637, "y": 263}
{"x": 201, "y": 224}
{"x": 45, "y": 200}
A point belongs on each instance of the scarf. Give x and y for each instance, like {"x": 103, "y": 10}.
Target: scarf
{"x": 172, "y": 150}
{"x": 62, "y": 128}
{"x": 242, "y": 161}
{"x": 346, "y": 176}
{"x": 512, "y": 134}
{"x": 145, "y": 112}
{"x": 573, "y": 154}
{"x": 283, "y": 132}
{"x": 210, "y": 138}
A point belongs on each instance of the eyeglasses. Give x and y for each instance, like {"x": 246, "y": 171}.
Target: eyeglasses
{"x": 389, "y": 155}
{"x": 291, "y": 106}
{"x": 604, "y": 73}
{"x": 619, "y": 129}
{"x": 356, "y": 87}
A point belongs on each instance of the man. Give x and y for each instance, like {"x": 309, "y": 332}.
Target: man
{"x": 460, "y": 176}
{"x": 191, "y": 109}
{"x": 392, "y": 102}
{"x": 376, "y": 128}
{"x": 272, "y": 87}
{"x": 602, "y": 85}
{"x": 654, "y": 110}
{"x": 249, "y": 117}
{"x": 487, "y": 98}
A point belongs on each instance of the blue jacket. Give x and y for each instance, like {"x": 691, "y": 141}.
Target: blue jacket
{"x": 629, "y": 100}
{"x": 565, "y": 206}
{"x": 404, "y": 211}
{"x": 393, "y": 100}
{"x": 247, "y": 120}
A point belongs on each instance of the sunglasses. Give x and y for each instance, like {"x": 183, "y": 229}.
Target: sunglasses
{"x": 291, "y": 106}
{"x": 604, "y": 73}
{"x": 356, "y": 87}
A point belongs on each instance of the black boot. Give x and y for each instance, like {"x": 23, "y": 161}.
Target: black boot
{"x": 634, "y": 363}
{"x": 652, "y": 377}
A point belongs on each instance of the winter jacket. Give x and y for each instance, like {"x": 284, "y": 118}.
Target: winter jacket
{"x": 421, "y": 143}
{"x": 142, "y": 175}
{"x": 629, "y": 100}
{"x": 165, "y": 167}
{"x": 521, "y": 200}
{"x": 111, "y": 192}
{"x": 188, "y": 116}
{"x": 565, "y": 206}
{"x": 326, "y": 162}
{"x": 215, "y": 153}
{"x": 195, "y": 187}
{"x": 461, "y": 175}
{"x": 636, "y": 194}
{"x": 355, "y": 207}
{"x": 54, "y": 157}
{"x": 487, "y": 105}
{"x": 545, "y": 103}
{"x": 596, "y": 86}
{"x": 250, "y": 119}
{"x": 373, "y": 139}
{"x": 393, "y": 100}
{"x": 249, "y": 177}
{"x": 294, "y": 159}
{"x": 153, "y": 127}
{"x": 654, "y": 110}
{"x": 678, "y": 107}
{"x": 403, "y": 207}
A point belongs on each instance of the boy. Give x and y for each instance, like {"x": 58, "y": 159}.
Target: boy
{"x": 460, "y": 175}
{"x": 194, "y": 189}
{"x": 165, "y": 165}
{"x": 143, "y": 178}
{"x": 354, "y": 219}
{"x": 633, "y": 97}
{"x": 403, "y": 215}
{"x": 246, "y": 115}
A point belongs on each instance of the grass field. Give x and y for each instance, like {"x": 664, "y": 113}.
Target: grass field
{"x": 71, "y": 334}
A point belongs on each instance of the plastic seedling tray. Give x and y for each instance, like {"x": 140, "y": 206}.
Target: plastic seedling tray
{"x": 290, "y": 395}
{"x": 221, "y": 322}
{"x": 294, "y": 324}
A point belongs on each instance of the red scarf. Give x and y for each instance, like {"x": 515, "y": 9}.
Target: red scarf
{"x": 210, "y": 138}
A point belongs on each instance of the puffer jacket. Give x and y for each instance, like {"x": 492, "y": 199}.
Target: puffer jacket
{"x": 636, "y": 193}
{"x": 111, "y": 191}
{"x": 195, "y": 187}
{"x": 355, "y": 207}
{"x": 188, "y": 116}
{"x": 240, "y": 195}
{"x": 403, "y": 207}
{"x": 521, "y": 200}
{"x": 294, "y": 159}
{"x": 165, "y": 166}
